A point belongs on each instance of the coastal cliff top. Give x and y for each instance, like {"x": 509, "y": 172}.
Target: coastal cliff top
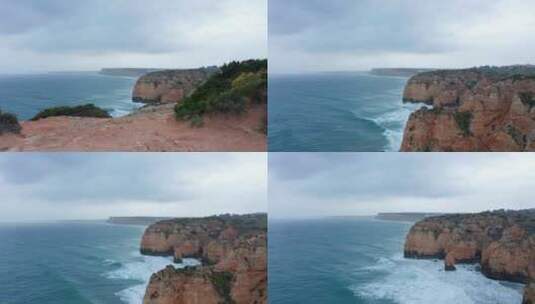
{"x": 489, "y": 72}
{"x": 172, "y": 73}
{"x": 503, "y": 218}
{"x": 247, "y": 223}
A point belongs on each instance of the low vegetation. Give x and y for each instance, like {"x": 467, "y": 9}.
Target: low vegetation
{"x": 237, "y": 85}
{"x": 88, "y": 110}
{"x": 463, "y": 120}
{"x": 527, "y": 99}
{"x": 222, "y": 282}
{"x": 9, "y": 123}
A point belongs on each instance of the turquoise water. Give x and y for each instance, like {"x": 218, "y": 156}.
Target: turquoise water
{"x": 78, "y": 263}
{"x": 336, "y": 112}
{"x": 342, "y": 260}
{"x": 26, "y": 95}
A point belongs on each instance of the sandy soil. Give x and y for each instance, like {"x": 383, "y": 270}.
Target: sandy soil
{"x": 152, "y": 128}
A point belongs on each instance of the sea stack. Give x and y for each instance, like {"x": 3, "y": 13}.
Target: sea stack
{"x": 478, "y": 109}
{"x": 232, "y": 248}
{"x": 503, "y": 242}
{"x": 169, "y": 86}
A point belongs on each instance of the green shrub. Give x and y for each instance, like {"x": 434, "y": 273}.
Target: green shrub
{"x": 197, "y": 121}
{"x": 228, "y": 91}
{"x": 463, "y": 120}
{"x": 527, "y": 99}
{"x": 9, "y": 123}
{"x": 222, "y": 282}
{"x": 88, "y": 110}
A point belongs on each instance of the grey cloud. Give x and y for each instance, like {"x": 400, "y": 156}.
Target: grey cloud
{"x": 94, "y": 178}
{"x": 305, "y": 184}
{"x": 346, "y": 34}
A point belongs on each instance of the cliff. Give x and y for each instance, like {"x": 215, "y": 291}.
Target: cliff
{"x": 170, "y": 86}
{"x": 503, "y": 242}
{"x": 127, "y": 72}
{"x": 478, "y": 109}
{"x": 232, "y": 248}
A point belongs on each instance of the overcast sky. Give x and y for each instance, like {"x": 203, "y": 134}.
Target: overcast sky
{"x": 96, "y": 185}
{"x": 322, "y": 184}
{"x": 318, "y": 35}
{"x": 54, "y": 35}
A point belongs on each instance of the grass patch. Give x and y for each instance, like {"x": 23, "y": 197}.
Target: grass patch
{"x": 222, "y": 282}
{"x": 527, "y": 99}
{"x": 88, "y": 110}
{"x": 516, "y": 135}
{"x": 9, "y": 123}
{"x": 229, "y": 91}
{"x": 463, "y": 120}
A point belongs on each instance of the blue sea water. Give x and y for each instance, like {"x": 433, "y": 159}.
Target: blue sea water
{"x": 26, "y": 95}
{"x": 78, "y": 263}
{"x": 356, "y": 260}
{"x": 337, "y": 112}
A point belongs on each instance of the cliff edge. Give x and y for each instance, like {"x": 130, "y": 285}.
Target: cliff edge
{"x": 478, "y": 109}
{"x": 232, "y": 248}
{"x": 170, "y": 86}
{"x": 503, "y": 242}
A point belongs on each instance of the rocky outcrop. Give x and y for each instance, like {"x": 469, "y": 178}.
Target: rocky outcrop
{"x": 233, "y": 250}
{"x": 503, "y": 242}
{"x": 478, "y": 109}
{"x": 169, "y": 86}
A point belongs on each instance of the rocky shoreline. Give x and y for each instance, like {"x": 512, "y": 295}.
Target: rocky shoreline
{"x": 502, "y": 242}
{"x": 232, "y": 248}
{"x": 478, "y": 109}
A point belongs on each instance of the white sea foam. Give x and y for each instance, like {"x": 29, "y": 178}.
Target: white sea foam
{"x": 141, "y": 269}
{"x": 393, "y": 123}
{"x": 407, "y": 281}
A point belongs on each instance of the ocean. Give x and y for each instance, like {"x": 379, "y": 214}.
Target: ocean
{"x": 360, "y": 261}
{"x": 82, "y": 263}
{"x": 26, "y": 95}
{"x": 337, "y": 112}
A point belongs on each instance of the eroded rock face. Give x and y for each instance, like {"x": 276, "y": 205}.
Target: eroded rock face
{"x": 169, "y": 86}
{"x": 479, "y": 109}
{"x": 529, "y": 294}
{"x": 503, "y": 242}
{"x": 233, "y": 249}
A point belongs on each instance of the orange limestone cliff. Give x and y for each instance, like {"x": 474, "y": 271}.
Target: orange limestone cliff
{"x": 503, "y": 242}
{"x": 232, "y": 248}
{"x": 478, "y": 109}
{"x": 169, "y": 86}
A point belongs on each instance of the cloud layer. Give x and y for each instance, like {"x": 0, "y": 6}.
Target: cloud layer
{"x": 315, "y": 35}
{"x": 93, "y": 185}
{"x": 316, "y": 184}
{"x": 62, "y": 34}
